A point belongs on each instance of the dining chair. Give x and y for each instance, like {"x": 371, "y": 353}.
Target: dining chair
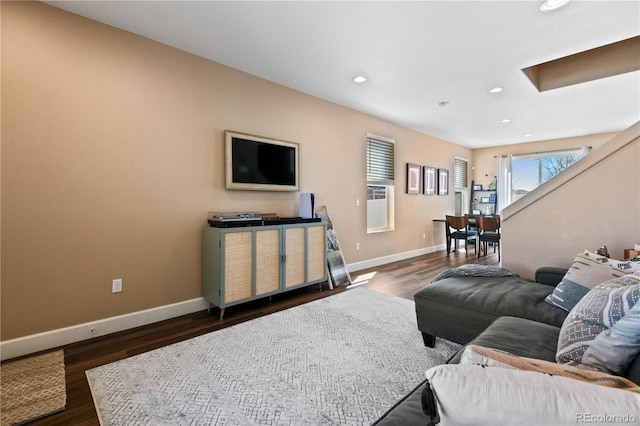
{"x": 489, "y": 232}
{"x": 457, "y": 228}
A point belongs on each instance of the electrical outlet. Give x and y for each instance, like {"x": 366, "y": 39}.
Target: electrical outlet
{"x": 424, "y": 236}
{"x": 357, "y": 246}
{"x": 116, "y": 286}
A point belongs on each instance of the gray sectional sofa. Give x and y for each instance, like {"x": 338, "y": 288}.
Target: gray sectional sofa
{"x": 501, "y": 312}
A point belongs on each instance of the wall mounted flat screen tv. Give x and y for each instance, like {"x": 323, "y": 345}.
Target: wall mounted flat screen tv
{"x": 256, "y": 163}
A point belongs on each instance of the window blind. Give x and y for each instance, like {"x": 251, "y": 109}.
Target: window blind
{"x": 460, "y": 173}
{"x": 380, "y": 161}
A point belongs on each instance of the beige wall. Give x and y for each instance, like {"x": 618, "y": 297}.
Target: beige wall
{"x": 112, "y": 154}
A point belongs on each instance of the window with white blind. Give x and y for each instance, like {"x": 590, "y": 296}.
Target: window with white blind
{"x": 380, "y": 183}
{"x": 459, "y": 173}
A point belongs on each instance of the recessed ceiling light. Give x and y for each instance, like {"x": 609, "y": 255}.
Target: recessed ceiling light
{"x": 443, "y": 104}
{"x": 506, "y": 120}
{"x": 528, "y": 135}
{"x": 550, "y": 5}
{"x": 359, "y": 79}
{"x": 496, "y": 90}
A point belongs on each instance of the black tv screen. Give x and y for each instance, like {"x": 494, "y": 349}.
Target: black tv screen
{"x": 257, "y": 163}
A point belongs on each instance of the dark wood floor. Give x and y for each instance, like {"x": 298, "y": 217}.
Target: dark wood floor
{"x": 401, "y": 279}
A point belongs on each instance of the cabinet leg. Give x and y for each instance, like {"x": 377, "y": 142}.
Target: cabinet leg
{"x": 221, "y": 313}
{"x": 210, "y": 306}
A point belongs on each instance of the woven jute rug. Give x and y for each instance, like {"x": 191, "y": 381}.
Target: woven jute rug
{"x": 32, "y": 388}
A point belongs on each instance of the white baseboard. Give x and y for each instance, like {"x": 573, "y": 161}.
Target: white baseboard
{"x": 372, "y": 263}
{"x": 64, "y": 336}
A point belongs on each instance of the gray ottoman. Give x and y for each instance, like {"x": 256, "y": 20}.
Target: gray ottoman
{"x": 460, "y": 308}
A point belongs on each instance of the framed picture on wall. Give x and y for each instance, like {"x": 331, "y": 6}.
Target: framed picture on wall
{"x": 429, "y": 180}
{"x": 413, "y": 178}
{"x": 443, "y": 182}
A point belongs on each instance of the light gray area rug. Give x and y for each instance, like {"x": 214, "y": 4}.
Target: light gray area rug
{"x": 340, "y": 360}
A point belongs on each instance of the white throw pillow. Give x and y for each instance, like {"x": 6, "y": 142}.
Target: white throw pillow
{"x": 479, "y": 395}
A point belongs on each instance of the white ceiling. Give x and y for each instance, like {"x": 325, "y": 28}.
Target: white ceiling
{"x": 414, "y": 54}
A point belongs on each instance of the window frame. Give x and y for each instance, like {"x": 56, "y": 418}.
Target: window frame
{"x": 539, "y": 157}
{"x": 382, "y": 177}
{"x": 460, "y": 182}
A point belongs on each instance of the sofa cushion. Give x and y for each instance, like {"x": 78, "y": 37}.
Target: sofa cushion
{"x": 478, "y": 395}
{"x": 475, "y": 302}
{"x": 587, "y": 327}
{"x": 518, "y": 336}
{"x": 588, "y": 270}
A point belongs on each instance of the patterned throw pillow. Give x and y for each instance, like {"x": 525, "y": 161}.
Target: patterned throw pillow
{"x": 595, "y": 314}
{"x": 587, "y": 271}
{"x": 616, "y": 349}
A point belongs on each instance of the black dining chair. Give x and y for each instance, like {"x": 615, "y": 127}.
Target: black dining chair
{"x": 457, "y": 228}
{"x": 489, "y": 232}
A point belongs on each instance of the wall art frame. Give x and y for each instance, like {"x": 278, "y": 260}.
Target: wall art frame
{"x": 443, "y": 182}
{"x": 413, "y": 178}
{"x": 429, "y": 180}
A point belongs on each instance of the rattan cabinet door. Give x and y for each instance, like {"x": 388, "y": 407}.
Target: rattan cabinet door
{"x": 238, "y": 266}
{"x": 316, "y": 253}
{"x": 268, "y": 261}
{"x": 294, "y": 251}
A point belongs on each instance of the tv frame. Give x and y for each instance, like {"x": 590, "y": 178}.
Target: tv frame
{"x": 230, "y": 184}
